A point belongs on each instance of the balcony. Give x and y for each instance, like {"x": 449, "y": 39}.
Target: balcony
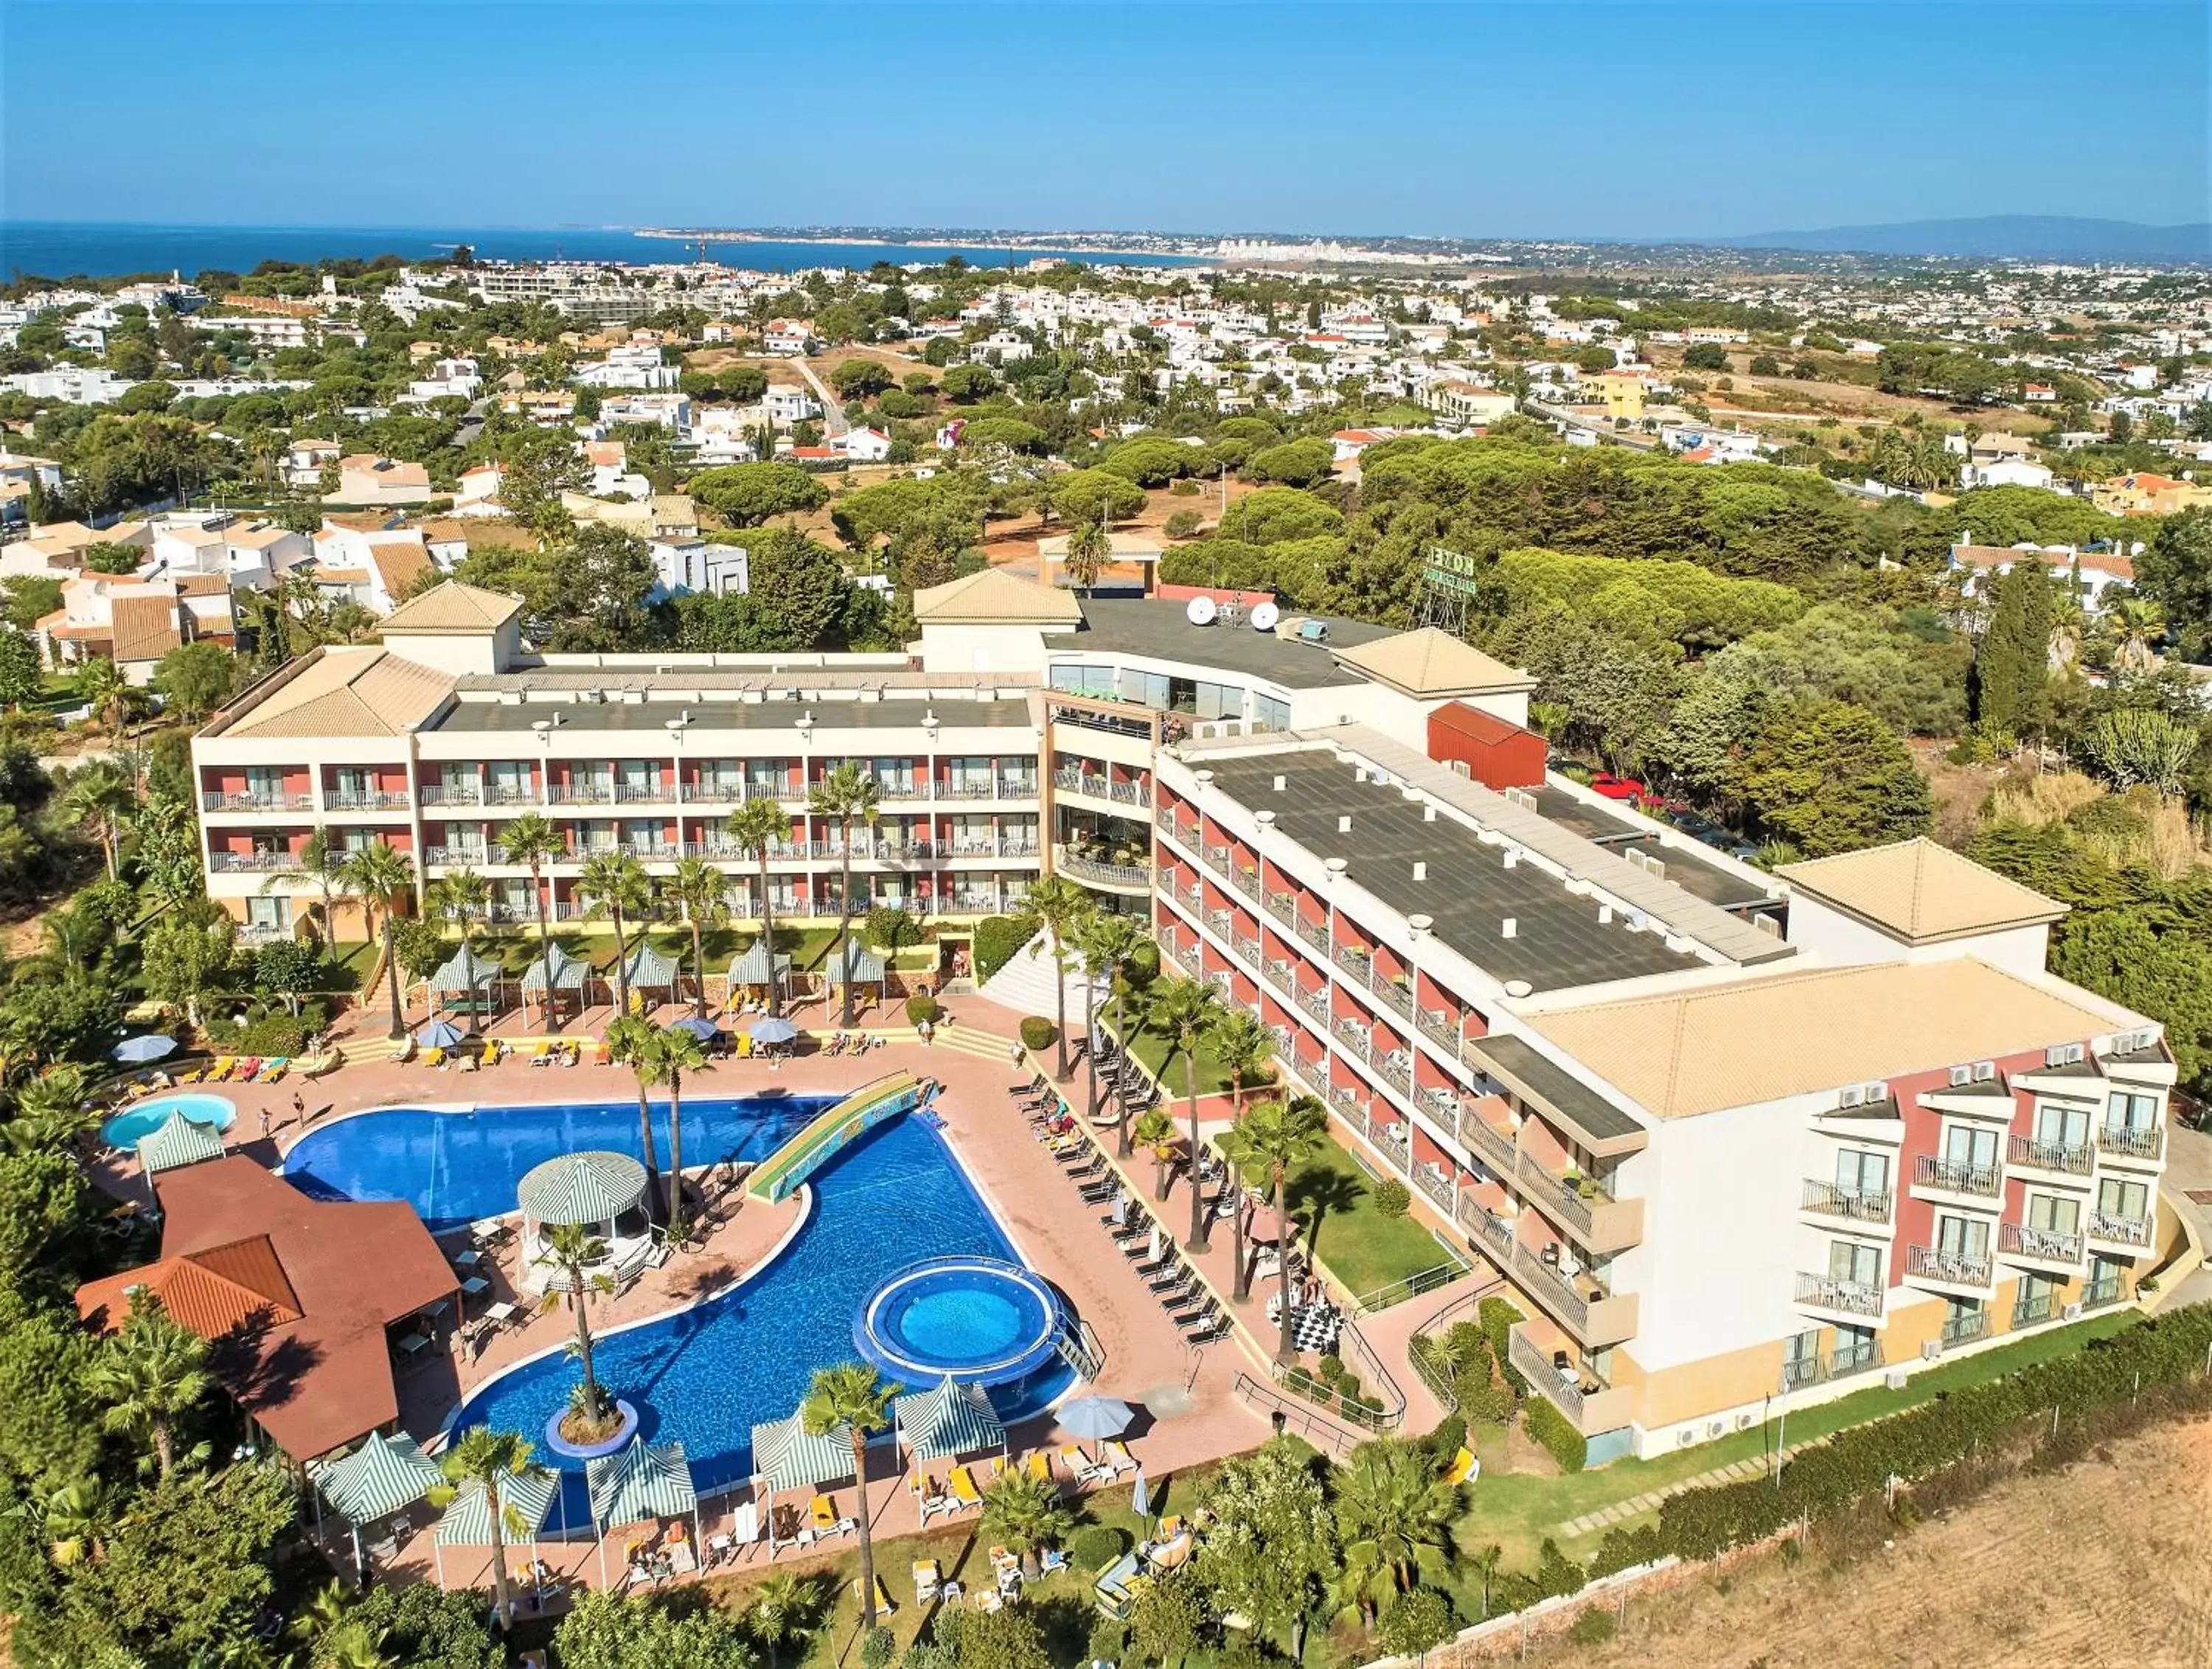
{"x": 1840, "y": 1297}
{"x": 1441, "y": 1029}
{"x": 2034, "y": 1312}
{"x": 1175, "y": 833}
{"x": 222, "y": 801}
{"x": 1394, "y": 1141}
{"x": 1595, "y": 1317}
{"x": 651, "y": 851}
{"x": 1599, "y": 1222}
{"x": 1117, "y": 877}
{"x": 2095, "y": 1294}
{"x": 582, "y": 793}
{"x": 2132, "y": 1232}
{"x": 1956, "y": 1177}
{"x": 263, "y": 932}
{"x": 1246, "y": 949}
{"x": 2132, "y": 1143}
{"x": 368, "y": 800}
{"x": 1483, "y": 1139}
{"x": 1846, "y": 1204}
{"x": 643, "y": 793}
{"x": 1282, "y": 906}
{"x": 250, "y": 863}
{"x": 457, "y": 856}
{"x": 1948, "y": 1268}
{"x": 1095, "y": 785}
{"x": 1314, "y": 933}
{"x": 1397, "y": 1070}
{"x": 452, "y": 793}
{"x": 1315, "y": 1002}
{"x": 1437, "y": 1188}
{"x": 1493, "y": 1235}
{"x": 2046, "y": 1246}
{"x": 1216, "y": 859}
{"x": 510, "y": 793}
{"x": 1356, "y": 1040}
{"x": 1246, "y": 880}
{"x": 1277, "y": 972}
{"x": 1590, "y": 1404}
{"x": 2061, "y": 1158}
{"x": 1848, "y": 1359}
{"x": 1190, "y": 957}
{"x": 1964, "y": 1327}
{"x": 1219, "y": 919}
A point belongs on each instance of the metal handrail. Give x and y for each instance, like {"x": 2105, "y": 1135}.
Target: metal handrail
{"x": 1300, "y": 1416}
{"x": 1410, "y": 1286}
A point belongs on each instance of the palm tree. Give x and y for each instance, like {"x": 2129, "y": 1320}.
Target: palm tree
{"x": 50, "y": 1113}
{"x": 99, "y": 798}
{"x": 846, "y": 795}
{"x": 107, "y": 693}
{"x": 1243, "y": 1045}
{"x": 1063, "y": 909}
{"x": 533, "y": 840}
{"x": 1156, "y": 1130}
{"x": 1188, "y": 1010}
{"x": 572, "y": 1250}
{"x": 1110, "y": 946}
{"x": 491, "y": 1460}
{"x": 672, "y": 1054}
{"x": 1487, "y": 1561}
{"x": 1395, "y": 1512}
{"x": 150, "y": 1375}
{"x": 1089, "y": 545}
{"x": 618, "y": 888}
{"x": 758, "y": 827}
{"x": 697, "y": 890}
{"x": 2140, "y": 623}
{"x": 1277, "y": 1139}
{"x": 784, "y": 1607}
{"x": 1023, "y": 1514}
{"x": 464, "y": 896}
{"x": 381, "y": 878}
{"x": 631, "y": 1041}
{"x": 850, "y": 1395}
{"x": 73, "y": 1518}
{"x": 318, "y": 860}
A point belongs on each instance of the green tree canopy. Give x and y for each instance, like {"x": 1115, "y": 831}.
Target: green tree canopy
{"x": 747, "y": 494}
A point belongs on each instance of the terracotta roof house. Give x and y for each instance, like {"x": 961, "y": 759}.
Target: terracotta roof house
{"x": 298, "y": 1296}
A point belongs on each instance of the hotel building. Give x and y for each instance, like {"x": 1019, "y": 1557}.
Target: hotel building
{"x": 1725, "y": 1135}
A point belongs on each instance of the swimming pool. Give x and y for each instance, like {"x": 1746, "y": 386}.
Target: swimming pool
{"x": 454, "y": 1167}
{"x": 134, "y": 1125}
{"x": 974, "y": 1319}
{"x": 708, "y": 1375}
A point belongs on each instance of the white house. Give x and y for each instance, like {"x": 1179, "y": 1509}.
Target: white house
{"x": 788, "y": 336}
{"x": 787, "y": 405}
{"x": 695, "y": 565}
{"x": 2008, "y": 472}
{"x": 862, "y": 445}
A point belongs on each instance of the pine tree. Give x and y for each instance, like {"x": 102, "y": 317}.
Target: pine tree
{"x": 2012, "y": 668}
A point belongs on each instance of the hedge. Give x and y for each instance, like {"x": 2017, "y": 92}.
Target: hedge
{"x": 997, "y": 939}
{"x": 1038, "y": 1033}
{"x": 1547, "y": 1426}
{"x": 1498, "y": 1318}
{"x": 921, "y": 1008}
{"x": 1857, "y": 1464}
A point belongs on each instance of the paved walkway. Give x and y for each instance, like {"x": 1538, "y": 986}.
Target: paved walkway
{"x": 1622, "y": 1511}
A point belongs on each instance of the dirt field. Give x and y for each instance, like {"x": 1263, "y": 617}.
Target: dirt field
{"x": 2107, "y": 1563}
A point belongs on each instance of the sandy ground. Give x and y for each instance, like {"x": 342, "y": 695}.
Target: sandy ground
{"x": 2107, "y": 1563}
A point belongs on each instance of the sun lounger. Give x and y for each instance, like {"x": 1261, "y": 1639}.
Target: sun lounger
{"x": 1078, "y": 1465}
{"x": 826, "y": 1522}
{"x": 434, "y": 1057}
{"x": 1464, "y": 1466}
{"x": 274, "y": 1071}
{"x": 927, "y": 1579}
{"x": 1038, "y": 1467}
{"x": 962, "y": 1483}
{"x": 1116, "y": 1455}
{"x": 884, "y": 1607}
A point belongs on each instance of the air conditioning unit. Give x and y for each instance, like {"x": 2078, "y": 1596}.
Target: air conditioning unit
{"x": 1894, "y": 1379}
{"x": 1716, "y": 1428}
{"x": 1743, "y": 1423}
{"x": 2074, "y": 1311}
{"x": 1931, "y": 1350}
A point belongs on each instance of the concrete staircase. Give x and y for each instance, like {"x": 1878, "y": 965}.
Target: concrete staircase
{"x": 1024, "y": 985}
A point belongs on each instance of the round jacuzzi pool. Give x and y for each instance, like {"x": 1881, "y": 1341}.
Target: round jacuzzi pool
{"x": 134, "y": 1125}
{"x": 977, "y": 1319}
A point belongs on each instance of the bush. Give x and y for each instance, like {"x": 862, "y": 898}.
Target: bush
{"x": 268, "y": 1032}
{"x": 877, "y": 1647}
{"x": 1183, "y": 523}
{"x": 1593, "y": 1628}
{"x": 1547, "y": 1426}
{"x": 1038, "y": 1033}
{"x": 1332, "y": 1368}
{"x": 1481, "y": 1398}
{"x": 1498, "y": 1319}
{"x": 893, "y": 929}
{"x": 1415, "y": 1621}
{"x": 1622, "y": 1548}
{"x": 1392, "y": 1198}
{"x": 1557, "y": 1573}
{"x": 1094, "y": 1547}
{"x": 1109, "y": 1640}
{"x": 997, "y": 939}
{"x": 1184, "y": 489}
{"x": 1446, "y": 1438}
{"x": 920, "y": 1009}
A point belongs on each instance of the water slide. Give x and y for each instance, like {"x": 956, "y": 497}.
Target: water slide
{"x": 830, "y": 1131}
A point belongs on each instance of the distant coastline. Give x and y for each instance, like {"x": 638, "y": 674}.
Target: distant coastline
{"x": 1034, "y": 243}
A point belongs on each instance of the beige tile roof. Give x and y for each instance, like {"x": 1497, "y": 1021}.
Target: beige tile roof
{"x": 1746, "y": 1041}
{"x": 145, "y": 628}
{"x": 356, "y": 691}
{"x": 996, "y": 597}
{"x": 453, "y": 607}
{"x": 399, "y": 564}
{"x": 1920, "y": 892}
{"x": 1428, "y": 663}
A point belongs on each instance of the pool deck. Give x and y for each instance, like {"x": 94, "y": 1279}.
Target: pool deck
{"x": 1190, "y": 1413}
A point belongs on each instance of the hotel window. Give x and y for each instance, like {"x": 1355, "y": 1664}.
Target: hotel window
{"x": 2132, "y": 1113}
{"x": 1962, "y": 1237}
{"x": 722, "y": 780}
{"x": 1970, "y": 1147}
{"x": 767, "y": 779}
{"x": 273, "y": 913}
{"x": 1863, "y": 1173}
{"x": 265, "y": 783}
{"x": 1078, "y": 680}
{"x": 1855, "y": 1348}
{"x": 2054, "y": 1213}
{"x": 2057, "y": 1125}
{"x": 639, "y": 776}
{"x": 350, "y": 784}
{"x": 1270, "y": 715}
{"x": 971, "y": 774}
{"x": 2127, "y": 1200}
{"x": 1848, "y": 1260}
{"x": 510, "y": 779}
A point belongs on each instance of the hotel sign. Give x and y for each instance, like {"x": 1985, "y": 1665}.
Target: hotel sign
{"x": 1448, "y": 570}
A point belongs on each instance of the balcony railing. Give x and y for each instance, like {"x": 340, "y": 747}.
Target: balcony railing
{"x": 458, "y": 855}
{"x": 221, "y": 802}
{"x": 1246, "y": 881}
{"x": 1101, "y": 874}
{"x": 1219, "y": 919}
{"x": 452, "y": 793}
{"x": 2030, "y": 1311}
{"x": 368, "y": 800}
{"x": 1964, "y": 1327}
{"x": 2132, "y": 1141}
{"x": 1441, "y": 1029}
{"x": 1438, "y": 1188}
{"x": 1544, "y": 1374}
{"x": 2051, "y": 1245}
{"x": 1848, "y": 1359}
{"x": 582, "y": 793}
{"x": 1315, "y": 1002}
{"x": 1398, "y": 1148}
{"x": 1277, "y": 972}
{"x": 1177, "y": 834}
{"x": 2105, "y": 1291}
{"x": 509, "y": 794}
{"x": 1283, "y": 908}
{"x": 1846, "y": 1297}
{"x": 2125, "y": 1230}
{"x": 1397, "y": 1070}
{"x": 1246, "y": 947}
{"x": 1314, "y": 933}
{"x": 1097, "y": 786}
{"x": 2074, "y": 1158}
{"x": 1933, "y": 1263}
{"x": 250, "y": 863}
{"x": 643, "y": 793}
{"x": 1190, "y": 957}
{"x": 1494, "y": 1236}
{"x": 1494, "y": 1147}
{"x": 1216, "y": 859}
{"x": 1358, "y": 1043}
{"x": 1851, "y": 1204}
{"x": 1956, "y": 1176}
{"x": 1600, "y": 1320}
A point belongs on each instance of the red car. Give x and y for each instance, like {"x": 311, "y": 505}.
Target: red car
{"x": 1615, "y": 787}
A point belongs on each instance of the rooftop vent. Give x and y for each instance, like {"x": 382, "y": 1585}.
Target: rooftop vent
{"x": 1510, "y": 928}
{"x": 1518, "y": 988}
{"x": 1343, "y": 824}
{"x": 1420, "y": 871}
{"x": 1428, "y": 813}
{"x": 1281, "y": 782}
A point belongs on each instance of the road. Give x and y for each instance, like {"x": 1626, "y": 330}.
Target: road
{"x": 833, "y": 410}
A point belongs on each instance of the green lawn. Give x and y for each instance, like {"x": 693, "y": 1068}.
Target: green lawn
{"x": 1166, "y": 1062}
{"x": 1362, "y": 1247}
{"x": 1517, "y": 1510}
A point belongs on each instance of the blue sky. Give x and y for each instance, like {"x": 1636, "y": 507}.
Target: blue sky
{"x": 1560, "y": 119}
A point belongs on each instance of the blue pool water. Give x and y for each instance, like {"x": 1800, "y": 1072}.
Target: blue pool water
{"x": 454, "y": 1167}
{"x": 973, "y": 1318}
{"x": 708, "y": 1375}
{"x": 129, "y": 1128}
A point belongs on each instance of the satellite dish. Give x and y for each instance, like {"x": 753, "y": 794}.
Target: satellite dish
{"x": 1199, "y": 611}
{"x": 1264, "y": 616}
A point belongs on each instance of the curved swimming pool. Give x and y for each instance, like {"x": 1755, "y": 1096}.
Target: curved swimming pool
{"x": 708, "y": 1375}
{"x": 454, "y": 1167}
{"x": 135, "y": 1124}
{"x": 982, "y": 1320}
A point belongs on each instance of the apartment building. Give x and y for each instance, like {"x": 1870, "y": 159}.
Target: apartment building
{"x": 1725, "y": 1135}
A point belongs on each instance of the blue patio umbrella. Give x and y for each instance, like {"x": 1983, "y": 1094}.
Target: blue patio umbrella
{"x": 138, "y": 1050}
{"x": 774, "y": 1030}
{"x": 1096, "y": 1418}
{"x": 699, "y": 1027}
{"x": 439, "y": 1034}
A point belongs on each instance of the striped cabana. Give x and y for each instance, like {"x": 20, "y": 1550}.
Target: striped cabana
{"x": 952, "y": 1420}
{"x": 642, "y": 1484}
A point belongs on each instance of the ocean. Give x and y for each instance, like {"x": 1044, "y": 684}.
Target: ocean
{"x": 62, "y": 249}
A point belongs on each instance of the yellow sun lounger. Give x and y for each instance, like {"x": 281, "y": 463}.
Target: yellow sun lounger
{"x": 962, "y": 1483}
{"x": 274, "y": 1071}
{"x": 1463, "y": 1466}
{"x": 824, "y": 1514}
{"x": 884, "y": 1607}
{"x": 1038, "y": 1466}
{"x": 434, "y": 1057}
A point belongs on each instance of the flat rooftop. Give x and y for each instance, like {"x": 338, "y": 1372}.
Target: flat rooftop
{"x": 1557, "y": 944}
{"x": 653, "y": 717}
{"x": 1686, "y": 867}
{"x": 1159, "y": 629}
